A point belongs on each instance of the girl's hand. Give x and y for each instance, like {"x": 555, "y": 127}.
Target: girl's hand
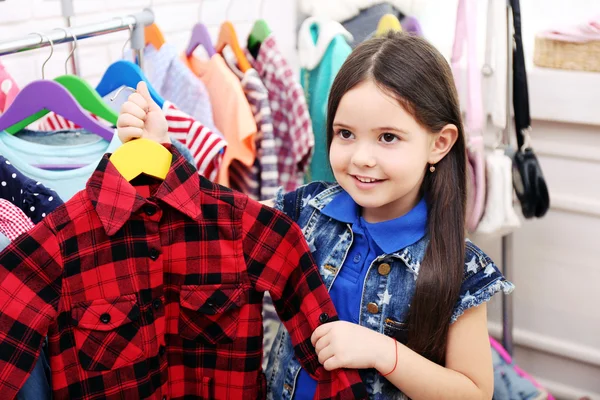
{"x": 141, "y": 117}
{"x": 342, "y": 344}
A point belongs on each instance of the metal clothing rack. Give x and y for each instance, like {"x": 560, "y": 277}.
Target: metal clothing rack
{"x": 135, "y": 23}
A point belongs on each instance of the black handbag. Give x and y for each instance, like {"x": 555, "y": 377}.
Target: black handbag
{"x": 528, "y": 179}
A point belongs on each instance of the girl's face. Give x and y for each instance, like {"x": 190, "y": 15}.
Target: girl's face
{"x": 379, "y": 153}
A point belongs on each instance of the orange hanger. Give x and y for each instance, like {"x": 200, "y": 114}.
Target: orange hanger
{"x": 227, "y": 36}
{"x": 154, "y": 36}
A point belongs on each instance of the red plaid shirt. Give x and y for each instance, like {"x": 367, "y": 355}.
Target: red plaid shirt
{"x": 156, "y": 292}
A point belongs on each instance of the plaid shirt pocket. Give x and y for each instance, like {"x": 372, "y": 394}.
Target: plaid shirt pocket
{"x": 210, "y": 313}
{"x": 107, "y": 333}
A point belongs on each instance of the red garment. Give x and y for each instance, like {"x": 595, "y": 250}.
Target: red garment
{"x": 294, "y": 138}
{"x": 205, "y": 145}
{"x": 13, "y": 221}
{"x": 155, "y": 291}
{"x": 8, "y": 89}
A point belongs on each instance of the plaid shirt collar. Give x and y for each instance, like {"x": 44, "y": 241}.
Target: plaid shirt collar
{"x": 115, "y": 199}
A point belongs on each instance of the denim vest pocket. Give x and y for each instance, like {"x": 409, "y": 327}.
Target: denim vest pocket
{"x": 107, "y": 333}
{"x": 396, "y": 330}
{"x": 210, "y": 313}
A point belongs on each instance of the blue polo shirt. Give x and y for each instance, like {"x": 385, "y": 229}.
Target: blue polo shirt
{"x": 370, "y": 241}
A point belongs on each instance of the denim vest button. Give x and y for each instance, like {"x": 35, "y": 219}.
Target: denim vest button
{"x": 357, "y": 258}
{"x": 373, "y": 308}
{"x": 384, "y": 269}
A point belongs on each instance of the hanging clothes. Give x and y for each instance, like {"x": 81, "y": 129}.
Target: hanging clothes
{"x": 466, "y": 36}
{"x": 259, "y": 182}
{"x": 174, "y": 81}
{"x": 323, "y": 47}
{"x": 24, "y": 155}
{"x": 13, "y": 221}
{"x": 8, "y": 89}
{"x": 32, "y": 197}
{"x": 495, "y": 69}
{"x": 231, "y": 112}
{"x": 145, "y": 271}
{"x": 364, "y": 25}
{"x": 294, "y": 139}
{"x": 199, "y": 145}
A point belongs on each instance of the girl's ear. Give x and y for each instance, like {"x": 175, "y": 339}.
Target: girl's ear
{"x": 442, "y": 143}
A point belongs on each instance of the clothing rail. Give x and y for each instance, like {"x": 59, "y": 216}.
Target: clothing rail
{"x": 136, "y": 22}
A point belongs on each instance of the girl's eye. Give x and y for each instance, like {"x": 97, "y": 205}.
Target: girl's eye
{"x": 388, "y": 138}
{"x": 345, "y": 134}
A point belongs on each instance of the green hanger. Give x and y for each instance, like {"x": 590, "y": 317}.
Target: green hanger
{"x": 86, "y": 96}
{"x": 260, "y": 31}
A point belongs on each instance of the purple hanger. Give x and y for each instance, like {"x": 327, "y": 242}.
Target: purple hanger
{"x": 52, "y": 96}
{"x": 200, "y": 37}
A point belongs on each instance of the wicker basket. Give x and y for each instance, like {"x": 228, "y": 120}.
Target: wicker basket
{"x": 559, "y": 54}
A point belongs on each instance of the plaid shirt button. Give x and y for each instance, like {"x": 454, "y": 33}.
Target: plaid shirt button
{"x": 156, "y": 303}
{"x": 149, "y": 210}
{"x": 105, "y": 318}
{"x": 323, "y": 318}
{"x": 154, "y": 254}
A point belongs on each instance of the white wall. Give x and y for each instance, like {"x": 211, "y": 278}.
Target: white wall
{"x": 174, "y": 17}
{"x": 556, "y": 269}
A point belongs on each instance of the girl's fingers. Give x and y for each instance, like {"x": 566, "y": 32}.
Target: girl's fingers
{"x": 132, "y": 108}
{"x": 129, "y": 120}
{"x": 128, "y": 133}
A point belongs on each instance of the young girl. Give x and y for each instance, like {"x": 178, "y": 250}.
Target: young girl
{"x": 389, "y": 236}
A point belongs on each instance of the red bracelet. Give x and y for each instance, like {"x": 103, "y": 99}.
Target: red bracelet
{"x": 396, "y": 363}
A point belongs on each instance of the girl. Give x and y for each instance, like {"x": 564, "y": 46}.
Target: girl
{"x": 389, "y": 236}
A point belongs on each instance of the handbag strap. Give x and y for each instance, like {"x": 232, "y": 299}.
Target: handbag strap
{"x": 520, "y": 90}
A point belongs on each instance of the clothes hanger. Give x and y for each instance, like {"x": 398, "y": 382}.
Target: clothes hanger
{"x": 200, "y": 37}
{"x": 387, "y": 23}
{"x": 141, "y": 156}
{"x": 259, "y": 33}
{"x": 82, "y": 91}
{"x": 50, "y": 95}
{"x": 154, "y": 36}
{"x": 228, "y": 37}
{"x": 125, "y": 73}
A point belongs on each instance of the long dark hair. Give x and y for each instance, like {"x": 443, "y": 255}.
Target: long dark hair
{"x": 418, "y": 76}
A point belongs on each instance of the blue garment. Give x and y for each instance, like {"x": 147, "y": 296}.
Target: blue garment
{"x": 324, "y": 47}
{"x": 37, "y": 385}
{"x": 370, "y": 241}
{"x": 25, "y": 152}
{"x": 32, "y": 197}
{"x": 388, "y": 286}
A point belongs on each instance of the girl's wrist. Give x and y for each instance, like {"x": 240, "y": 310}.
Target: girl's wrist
{"x": 386, "y": 356}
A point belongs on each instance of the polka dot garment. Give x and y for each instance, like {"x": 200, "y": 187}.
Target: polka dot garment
{"x": 32, "y": 197}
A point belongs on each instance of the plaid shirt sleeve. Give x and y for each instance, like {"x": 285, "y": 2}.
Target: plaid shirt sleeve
{"x": 30, "y": 288}
{"x": 279, "y": 261}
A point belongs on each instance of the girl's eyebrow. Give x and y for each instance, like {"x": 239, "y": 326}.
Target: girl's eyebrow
{"x": 390, "y": 128}
{"x": 342, "y": 125}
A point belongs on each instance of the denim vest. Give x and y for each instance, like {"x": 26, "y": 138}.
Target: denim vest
{"x": 387, "y": 291}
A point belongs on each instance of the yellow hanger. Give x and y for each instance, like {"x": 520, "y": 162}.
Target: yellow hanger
{"x": 387, "y": 23}
{"x": 141, "y": 156}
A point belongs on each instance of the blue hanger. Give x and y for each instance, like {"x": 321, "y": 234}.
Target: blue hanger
{"x": 125, "y": 73}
